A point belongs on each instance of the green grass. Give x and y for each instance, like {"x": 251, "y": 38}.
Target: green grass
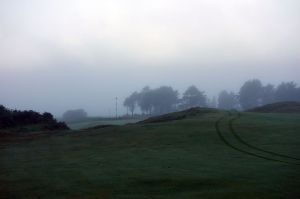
{"x": 178, "y": 159}
{"x": 89, "y": 124}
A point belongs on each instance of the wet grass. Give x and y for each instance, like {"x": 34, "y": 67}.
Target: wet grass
{"x": 93, "y": 123}
{"x": 178, "y": 159}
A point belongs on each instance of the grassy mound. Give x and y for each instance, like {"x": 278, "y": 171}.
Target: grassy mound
{"x": 279, "y": 107}
{"x": 179, "y": 115}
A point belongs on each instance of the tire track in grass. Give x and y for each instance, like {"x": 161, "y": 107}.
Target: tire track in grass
{"x": 217, "y": 123}
{"x": 252, "y": 146}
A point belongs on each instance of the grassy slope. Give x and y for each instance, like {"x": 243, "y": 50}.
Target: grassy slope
{"x": 179, "y": 159}
{"x": 89, "y": 124}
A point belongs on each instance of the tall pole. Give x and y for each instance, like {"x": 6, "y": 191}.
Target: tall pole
{"x": 116, "y": 108}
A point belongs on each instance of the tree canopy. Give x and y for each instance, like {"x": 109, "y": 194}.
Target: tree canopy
{"x": 227, "y": 100}
{"x": 153, "y": 101}
{"x": 15, "y": 118}
{"x": 131, "y": 102}
{"x": 250, "y": 94}
{"x": 287, "y": 91}
{"x": 192, "y": 97}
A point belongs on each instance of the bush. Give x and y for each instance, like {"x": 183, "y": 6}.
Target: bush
{"x": 15, "y": 118}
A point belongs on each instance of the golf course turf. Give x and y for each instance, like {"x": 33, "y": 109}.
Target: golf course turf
{"x": 211, "y": 155}
{"x": 257, "y": 150}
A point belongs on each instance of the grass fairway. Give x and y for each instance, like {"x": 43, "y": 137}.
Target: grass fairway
{"x": 93, "y": 123}
{"x": 180, "y": 159}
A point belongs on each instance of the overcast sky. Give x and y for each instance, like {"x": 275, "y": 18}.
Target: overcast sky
{"x": 65, "y": 54}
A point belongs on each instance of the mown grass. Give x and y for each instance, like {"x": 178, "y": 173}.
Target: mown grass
{"x": 178, "y": 159}
{"x": 93, "y": 123}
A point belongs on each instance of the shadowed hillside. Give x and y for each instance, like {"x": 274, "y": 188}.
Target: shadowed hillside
{"x": 280, "y": 107}
{"x": 196, "y": 111}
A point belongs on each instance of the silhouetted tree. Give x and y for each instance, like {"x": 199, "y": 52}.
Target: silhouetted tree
{"x": 287, "y": 91}
{"x": 47, "y": 116}
{"x": 227, "y": 100}
{"x": 15, "y": 118}
{"x": 6, "y": 117}
{"x": 145, "y": 100}
{"x": 155, "y": 101}
{"x": 131, "y": 102}
{"x": 250, "y": 94}
{"x": 164, "y": 99}
{"x": 268, "y": 94}
{"x": 192, "y": 97}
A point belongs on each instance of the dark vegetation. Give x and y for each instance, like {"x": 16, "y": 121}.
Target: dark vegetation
{"x": 28, "y": 121}
{"x": 153, "y": 101}
{"x": 279, "y": 107}
{"x": 251, "y": 94}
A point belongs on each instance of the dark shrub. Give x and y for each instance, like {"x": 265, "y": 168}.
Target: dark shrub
{"x": 15, "y": 118}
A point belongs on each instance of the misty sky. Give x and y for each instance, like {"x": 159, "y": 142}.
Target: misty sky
{"x": 65, "y": 54}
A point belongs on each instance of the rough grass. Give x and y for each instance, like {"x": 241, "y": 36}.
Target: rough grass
{"x": 177, "y": 159}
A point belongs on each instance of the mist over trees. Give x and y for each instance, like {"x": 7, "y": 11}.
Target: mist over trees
{"x": 145, "y": 100}
{"x": 251, "y": 94}
{"x": 268, "y": 94}
{"x": 74, "y": 115}
{"x": 211, "y": 102}
{"x": 287, "y": 91}
{"x": 192, "y": 97}
{"x": 131, "y": 102}
{"x": 227, "y": 100}
{"x": 164, "y": 99}
{"x": 157, "y": 101}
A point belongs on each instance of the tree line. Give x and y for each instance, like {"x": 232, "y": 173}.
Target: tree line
{"x": 251, "y": 94}
{"x": 15, "y": 118}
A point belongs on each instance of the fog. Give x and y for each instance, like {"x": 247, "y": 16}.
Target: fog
{"x": 57, "y": 55}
